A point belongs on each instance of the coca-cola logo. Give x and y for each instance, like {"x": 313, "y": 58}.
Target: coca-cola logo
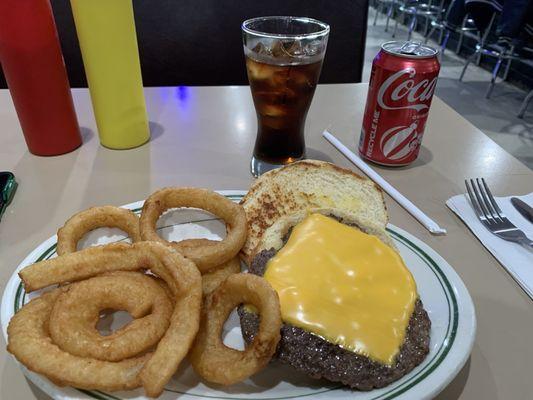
{"x": 401, "y": 88}
{"x": 399, "y": 142}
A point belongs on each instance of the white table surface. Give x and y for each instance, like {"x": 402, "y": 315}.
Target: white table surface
{"x": 203, "y": 136}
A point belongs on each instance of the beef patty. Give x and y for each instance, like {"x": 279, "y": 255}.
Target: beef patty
{"x": 319, "y": 358}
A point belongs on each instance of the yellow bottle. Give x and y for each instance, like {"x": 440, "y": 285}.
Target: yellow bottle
{"x": 108, "y": 41}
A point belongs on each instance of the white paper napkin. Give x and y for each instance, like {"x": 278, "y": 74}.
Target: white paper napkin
{"x": 516, "y": 259}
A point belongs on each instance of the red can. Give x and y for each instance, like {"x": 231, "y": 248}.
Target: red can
{"x": 402, "y": 83}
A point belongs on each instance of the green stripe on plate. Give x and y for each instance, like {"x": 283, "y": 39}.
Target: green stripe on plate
{"x": 98, "y": 395}
{"x": 206, "y": 396}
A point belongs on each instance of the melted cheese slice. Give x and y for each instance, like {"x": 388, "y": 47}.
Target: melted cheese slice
{"x": 345, "y": 286}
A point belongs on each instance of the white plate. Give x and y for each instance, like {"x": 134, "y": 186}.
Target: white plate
{"x": 445, "y": 297}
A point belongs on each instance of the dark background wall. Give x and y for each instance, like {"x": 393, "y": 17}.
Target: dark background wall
{"x": 198, "y": 42}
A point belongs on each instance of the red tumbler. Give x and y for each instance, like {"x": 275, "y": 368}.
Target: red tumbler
{"x": 35, "y": 72}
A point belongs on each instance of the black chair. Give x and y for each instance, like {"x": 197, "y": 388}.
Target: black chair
{"x": 198, "y": 42}
{"x": 427, "y": 9}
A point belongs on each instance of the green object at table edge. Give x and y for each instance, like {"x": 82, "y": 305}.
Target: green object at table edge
{"x": 8, "y": 187}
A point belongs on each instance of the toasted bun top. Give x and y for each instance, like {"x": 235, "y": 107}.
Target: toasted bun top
{"x": 274, "y": 236}
{"x": 306, "y": 185}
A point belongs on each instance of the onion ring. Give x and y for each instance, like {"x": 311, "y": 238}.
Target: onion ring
{"x": 81, "y": 265}
{"x": 213, "y": 278}
{"x": 220, "y": 364}
{"x": 96, "y": 217}
{"x": 189, "y": 244}
{"x": 180, "y": 274}
{"x": 29, "y": 342}
{"x": 205, "y": 256}
{"x": 76, "y": 311}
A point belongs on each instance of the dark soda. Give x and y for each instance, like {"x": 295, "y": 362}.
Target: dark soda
{"x": 282, "y": 95}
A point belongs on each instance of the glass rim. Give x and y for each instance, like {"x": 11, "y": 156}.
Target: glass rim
{"x": 323, "y": 32}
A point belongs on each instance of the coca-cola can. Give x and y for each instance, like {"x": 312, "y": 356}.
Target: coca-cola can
{"x": 402, "y": 83}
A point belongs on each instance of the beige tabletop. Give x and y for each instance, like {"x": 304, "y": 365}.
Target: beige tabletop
{"x": 204, "y": 137}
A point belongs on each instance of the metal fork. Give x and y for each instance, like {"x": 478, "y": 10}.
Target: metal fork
{"x": 490, "y": 214}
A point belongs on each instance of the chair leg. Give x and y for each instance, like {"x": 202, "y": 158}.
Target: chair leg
{"x": 524, "y": 105}
{"x": 468, "y": 61}
{"x": 441, "y": 33}
{"x": 431, "y": 32}
{"x": 459, "y": 43}
{"x": 389, "y": 15}
{"x": 395, "y": 28}
{"x": 403, "y": 17}
{"x": 478, "y": 58}
{"x": 479, "y": 54}
{"x": 444, "y": 42}
{"x": 483, "y": 36}
{"x": 495, "y": 71}
{"x": 509, "y": 60}
{"x": 507, "y": 68}
{"x": 426, "y": 26}
{"x": 412, "y": 26}
{"x": 378, "y": 7}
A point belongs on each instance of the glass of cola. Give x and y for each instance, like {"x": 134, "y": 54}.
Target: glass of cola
{"x": 283, "y": 60}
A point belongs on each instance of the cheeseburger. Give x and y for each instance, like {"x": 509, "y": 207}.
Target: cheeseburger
{"x": 350, "y": 307}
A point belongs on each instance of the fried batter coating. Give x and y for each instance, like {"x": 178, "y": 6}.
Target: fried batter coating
{"x": 96, "y": 217}
{"x": 29, "y": 342}
{"x": 205, "y": 255}
{"x": 77, "y": 310}
{"x": 216, "y": 362}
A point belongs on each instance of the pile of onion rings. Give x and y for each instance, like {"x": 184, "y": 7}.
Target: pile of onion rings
{"x": 152, "y": 370}
{"x": 175, "y": 309}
